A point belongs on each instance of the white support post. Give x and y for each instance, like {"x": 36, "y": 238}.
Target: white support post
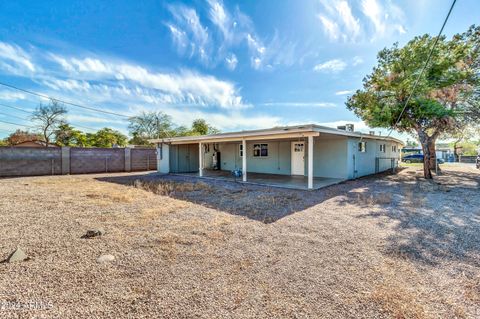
{"x": 310, "y": 162}
{"x": 200, "y": 159}
{"x": 244, "y": 160}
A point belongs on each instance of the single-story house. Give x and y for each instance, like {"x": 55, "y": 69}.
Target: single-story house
{"x": 302, "y": 156}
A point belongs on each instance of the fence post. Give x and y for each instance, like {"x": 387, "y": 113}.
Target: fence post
{"x": 106, "y": 164}
{"x": 128, "y": 159}
{"x": 65, "y": 160}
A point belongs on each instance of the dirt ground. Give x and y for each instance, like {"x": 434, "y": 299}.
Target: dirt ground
{"x": 391, "y": 246}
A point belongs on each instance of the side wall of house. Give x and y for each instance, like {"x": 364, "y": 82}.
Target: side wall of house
{"x": 329, "y": 156}
{"x": 373, "y": 160}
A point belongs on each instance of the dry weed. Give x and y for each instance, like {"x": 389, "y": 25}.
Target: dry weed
{"x": 368, "y": 199}
{"x": 168, "y": 187}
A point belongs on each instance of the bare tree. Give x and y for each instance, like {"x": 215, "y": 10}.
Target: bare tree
{"x": 48, "y": 118}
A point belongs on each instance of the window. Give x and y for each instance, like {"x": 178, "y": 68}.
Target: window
{"x": 298, "y": 147}
{"x": 382, "y": 148}
{"x": 260, "y": 150}
{"x": 362, "y": 147}
{"x": 394, "y": 148}
{"x": 240, "y": 150}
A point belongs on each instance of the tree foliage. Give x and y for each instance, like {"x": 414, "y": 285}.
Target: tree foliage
{"x": 48, "y": 118}
{"x": 149, "y": 125}
{"x": 447, "y": 96}
{"x": 66, "y": 135}
{"x": 106, "y": 137}
{"x": 20, "y": 136}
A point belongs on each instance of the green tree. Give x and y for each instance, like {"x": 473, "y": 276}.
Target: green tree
{"x": 3, "y": 142}
{"x": 150, "y": 125}
{"x": 106, "y": 137}
{"x": 201, "y": 127}
{"x": 66, "y": 135}
{"x": 48, "y": 118}
{"x": 447, "y": 95}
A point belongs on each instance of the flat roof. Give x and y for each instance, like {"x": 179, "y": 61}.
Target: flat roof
{"x": 280, "y": 131}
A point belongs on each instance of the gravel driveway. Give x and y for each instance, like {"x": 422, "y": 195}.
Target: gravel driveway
{"x": 391, "y": 246}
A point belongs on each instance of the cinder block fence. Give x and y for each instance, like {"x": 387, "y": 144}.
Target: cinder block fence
{"x": 30, "y": 161}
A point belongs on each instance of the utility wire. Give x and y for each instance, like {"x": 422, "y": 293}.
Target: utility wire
{"x": 15, "y": 108}
{"x": 62, "y": 101}
{"x": 424, "y": 67}
{"x": 14, "y": 116}
{"x": 15, "y": 124}
{"x": 20, "y": 109}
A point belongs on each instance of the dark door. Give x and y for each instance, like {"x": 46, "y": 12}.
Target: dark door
{"x": 187, "y": 155}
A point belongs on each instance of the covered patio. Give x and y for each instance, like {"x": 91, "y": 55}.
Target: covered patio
{"x": 274, "y": 180}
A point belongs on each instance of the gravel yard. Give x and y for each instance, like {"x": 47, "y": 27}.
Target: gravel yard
{"x": 391, "y": 246}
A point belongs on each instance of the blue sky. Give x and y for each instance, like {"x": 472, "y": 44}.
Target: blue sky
{"x": 240, "y": 65}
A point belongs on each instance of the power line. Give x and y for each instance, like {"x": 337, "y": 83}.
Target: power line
{"x": 15, "y": 108}
{"x": 14, "y": 116}
{"x": 62, "y": 101}
{"x": 424, "y": 66}
{"x": 11, "y": 123}
{"x": 20, "y": 109}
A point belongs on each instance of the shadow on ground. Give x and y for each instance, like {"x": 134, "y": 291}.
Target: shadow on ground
{"x": 256, "y": 202}
{"x": 432, "y": 222}
{"x": 429, "y": 222}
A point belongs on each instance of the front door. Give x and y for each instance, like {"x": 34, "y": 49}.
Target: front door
{"x": 298, "y": 158}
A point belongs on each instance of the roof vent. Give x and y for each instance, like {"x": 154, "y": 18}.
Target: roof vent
{"x": 349, "y": 127}
{"x": 341, "y": 127}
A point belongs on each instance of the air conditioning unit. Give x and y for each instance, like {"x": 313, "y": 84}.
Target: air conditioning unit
{"x": 349, "y": 127}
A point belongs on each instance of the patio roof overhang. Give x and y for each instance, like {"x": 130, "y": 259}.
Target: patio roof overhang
{"x": 286, "y": 132}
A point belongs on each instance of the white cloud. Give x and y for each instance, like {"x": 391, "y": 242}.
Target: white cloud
{"x": 12, "y": 96}
{"x": 186, "y": 87}
{"x": 344, "y": 92}
{"x": 357, "y": 60}
{"x": 231, "y": 62}
{"x": 334, "y": 66}
{"x": 340, "y": 23}
{"x": 351, "y": 24}
{"x": 15, "y": 54}
{"x": 228, "y": 32}
{"x": 189, "y": 33}
{"x": 385, "y": 19}
{"x": 301, "y": 104}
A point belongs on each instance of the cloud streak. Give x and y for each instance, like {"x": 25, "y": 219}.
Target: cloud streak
{"x": 372, "y": 20}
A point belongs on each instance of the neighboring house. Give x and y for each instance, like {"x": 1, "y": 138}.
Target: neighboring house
{"x": 33, "y": 144}
{"x": 281, "y": 155}
{"x": 445, "y": 153}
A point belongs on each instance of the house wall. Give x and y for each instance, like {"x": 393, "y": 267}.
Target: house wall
{"x": 365, "y": 163}
{"x": 277, "y": 161}
{"x": 329, "y": 156}
{"x": 334, "y": 157}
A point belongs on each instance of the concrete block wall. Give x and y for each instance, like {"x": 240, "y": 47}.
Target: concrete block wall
{"x": 96, "y": 160}
{"x": 143, "y": 159}
{"x": 22, "y": 161}
{"x": 31, "y": 161}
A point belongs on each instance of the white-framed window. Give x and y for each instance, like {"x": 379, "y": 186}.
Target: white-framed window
{"x": 382, "y": 148}
{"x": 394, "y": 148}
{"x": 240, "y": 150}
{"x": 260, "y": 150}
{"x": 362, "y": 147}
